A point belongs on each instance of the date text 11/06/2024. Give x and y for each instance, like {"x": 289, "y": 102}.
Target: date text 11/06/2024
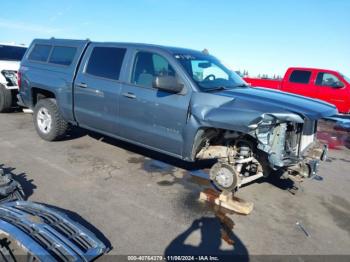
{"x": 173, "y": 258}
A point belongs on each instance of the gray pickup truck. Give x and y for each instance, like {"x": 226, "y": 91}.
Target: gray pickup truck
{"x": 179, "y": 102}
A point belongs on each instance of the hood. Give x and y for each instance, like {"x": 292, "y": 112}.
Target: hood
{"x": 9, "y": 65}
{"x": 238, "y": 108}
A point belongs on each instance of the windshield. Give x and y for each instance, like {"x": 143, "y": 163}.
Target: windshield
{"x": 208, "y": 73}
{"x": 347, "y": 79}
{"x": 13, "y": 53}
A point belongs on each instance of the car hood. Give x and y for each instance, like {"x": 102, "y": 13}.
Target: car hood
{"x": 238, "y": 108}
{"x": 9, "y": 65}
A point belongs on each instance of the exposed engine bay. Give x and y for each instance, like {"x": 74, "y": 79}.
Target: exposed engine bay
{"x": 289, "y": 147}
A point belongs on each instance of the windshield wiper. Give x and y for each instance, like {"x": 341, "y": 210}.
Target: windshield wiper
{"x": 219, "y": 88}
{"x": 242, "y": 85}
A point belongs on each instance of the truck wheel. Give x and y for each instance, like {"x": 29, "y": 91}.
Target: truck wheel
{"x": 5, "y": 99}
{"x": 48, "y": 121}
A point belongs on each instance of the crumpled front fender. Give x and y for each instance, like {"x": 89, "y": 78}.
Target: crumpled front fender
{"x": 232, "y": 114}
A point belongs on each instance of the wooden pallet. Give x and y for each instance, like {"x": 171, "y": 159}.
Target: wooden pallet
{"x": 226, "y": 200}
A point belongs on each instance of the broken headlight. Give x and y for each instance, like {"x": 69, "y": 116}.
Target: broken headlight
{"x": 264, "y": 129}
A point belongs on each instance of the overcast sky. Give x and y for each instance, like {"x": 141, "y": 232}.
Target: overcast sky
{"x": 261, "y": 36}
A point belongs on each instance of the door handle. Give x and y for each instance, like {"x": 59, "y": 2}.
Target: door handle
{"x": 82, "y": 85}
{"x": 129, "y": 95}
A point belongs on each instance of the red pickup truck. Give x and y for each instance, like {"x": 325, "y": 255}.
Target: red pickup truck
{"x": 330, "y": 86}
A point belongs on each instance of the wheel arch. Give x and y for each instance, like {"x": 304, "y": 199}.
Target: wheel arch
{"x": 40, "y": 93}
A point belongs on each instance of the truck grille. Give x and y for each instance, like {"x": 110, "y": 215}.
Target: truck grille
{"x": 63, "y": 238}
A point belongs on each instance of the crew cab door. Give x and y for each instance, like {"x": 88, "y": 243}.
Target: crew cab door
{"x": 300, "y": 82}
{"x": 97, "y": 88}
{"x": 149, "y": 116}
{"x": 332, "y": 90}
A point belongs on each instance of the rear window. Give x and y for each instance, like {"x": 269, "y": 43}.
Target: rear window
{"x": 40, "y": 53}
{"x": 300, "y": 77}
{"x": 11, "y": 53}
{"x": 106, "y": 62}
{"x": 62, "y": 55}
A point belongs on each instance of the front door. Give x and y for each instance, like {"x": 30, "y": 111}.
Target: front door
{"x": 332, "y": 90}
{"x": 150, "y": 116}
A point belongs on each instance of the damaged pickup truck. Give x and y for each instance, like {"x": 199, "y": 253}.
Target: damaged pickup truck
{"x": 176, "y": 101}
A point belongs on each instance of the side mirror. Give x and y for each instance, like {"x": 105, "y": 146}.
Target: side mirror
{"x": 167, "y": 83}
{"x": 338, "y": 85}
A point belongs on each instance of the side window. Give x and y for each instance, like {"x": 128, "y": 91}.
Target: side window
{"x": 149, "y": 65}
{"x": 62, "y": 55}
{"x": 326, "y": 79}
{"x": 300, "y": 77}
{"x": 40, "y": 53}
{"x": 106, "y": 62}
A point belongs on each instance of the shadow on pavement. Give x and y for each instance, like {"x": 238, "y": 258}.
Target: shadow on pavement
{"x": 150, "y": 153}
{"x": 212, "y": 231}
{"x": 74, "y": 133}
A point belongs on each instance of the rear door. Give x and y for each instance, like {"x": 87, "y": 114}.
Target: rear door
{"x": 149, "y": 116}
{"x": 97, "y": 87}
{"x": 300, "y": 82}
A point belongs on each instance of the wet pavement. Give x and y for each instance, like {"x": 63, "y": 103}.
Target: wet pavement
{"x": 143, "y": 202}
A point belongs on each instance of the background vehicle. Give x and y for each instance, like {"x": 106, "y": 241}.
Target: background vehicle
{"x": 180, "y": 102}
{"x": 327, "y": 85}
{"x": 10, "y": 57}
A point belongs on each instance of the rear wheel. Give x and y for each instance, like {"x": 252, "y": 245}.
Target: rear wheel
{"x": 5, "y": 99}
{"x": 48, "y": 121}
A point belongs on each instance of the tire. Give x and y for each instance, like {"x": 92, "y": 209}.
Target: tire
{"x": 48, "y": 121}
{"x": 5, "y": 99}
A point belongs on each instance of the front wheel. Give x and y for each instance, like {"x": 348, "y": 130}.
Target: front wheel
{"x": 48, "y": 121}
{"x": 5, "y": 99}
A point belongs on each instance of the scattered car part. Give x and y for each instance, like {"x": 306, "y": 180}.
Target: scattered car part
{"x": 10, "y": 189}
{"x": 47, "y": 234}
{"x": 302, "y": 228}
{"x": 27, "y": 111}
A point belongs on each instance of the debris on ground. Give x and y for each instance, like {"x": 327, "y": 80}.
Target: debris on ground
{"x": 302, "y": 228}
{"x": 10, "y": 189}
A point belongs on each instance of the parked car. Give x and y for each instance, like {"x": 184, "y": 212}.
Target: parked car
{"x": 10, "y": 57}
{"x": 327, "y": 85}
{"x": 179, "y": 102}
